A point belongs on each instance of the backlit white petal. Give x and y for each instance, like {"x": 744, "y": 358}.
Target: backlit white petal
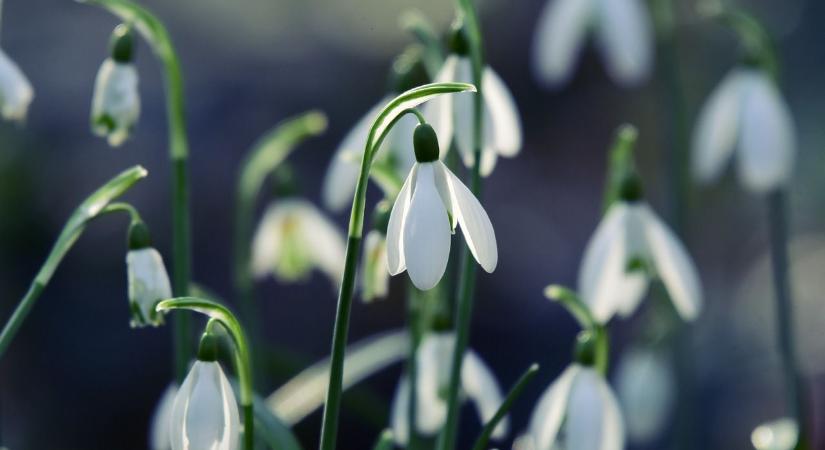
{"x": 717, "y": 128}
{"x": 625, "y": 36}
{"x": 480, "y": 386}
{"x": 434, "y": 358}
{"x": 560, "y": 35}
{"x": 473, "y": 220}
{"x": 400, "y": 142}
{"x": 767, "y": 144}
{"x": 673, "y": 266}
{"x": 550, "y": 410}
{"x": 593, "y": 417}
{"x": 148, "y": 283}
{"x": 205, "y": 414}
{"x": 342, "y": 172}
{"x": 16, "y": 92}
{"x": 463, "y": 112}
{"x": 781, "y": 434}
{"x": 322, "y": 239}
{"x": 374, "y": 275}
{"x": 159, "y": 437}
{"x": 399, "y": 415}
{"x": 505, "y": 124}
{"x": 395, "y": 244}
{"x": 116, "y": 102}
{"x": 632, "y": 284}
{"x": 439, "y": 111}
{"x": 268, "y": 241}
{"x": 646, "y": 390}
{"x": 426, "y": 232}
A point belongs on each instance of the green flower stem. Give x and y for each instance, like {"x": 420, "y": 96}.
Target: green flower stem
{"x": 515, "y": 392}
{"x": 383, "y": 123}
{"x": 263, "y": 159}
{"x": 466, "y": 284}
{"x": 154, "y": 32}
{"x": 243, "y": 363}
{"x": 92, "y": 207}
{"x": 576, "y": 307}
{"x": 778, "y": 221}
{"x": 385, "y": 441}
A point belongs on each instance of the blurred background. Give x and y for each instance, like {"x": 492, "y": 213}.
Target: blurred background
{"x": 77, "y": 377}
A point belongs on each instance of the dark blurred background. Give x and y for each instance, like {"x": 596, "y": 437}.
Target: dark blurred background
{"x": 77, "y": 377}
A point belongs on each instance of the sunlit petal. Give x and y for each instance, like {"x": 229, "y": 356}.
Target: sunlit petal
{"x": 549, "y": 413}
{"x": 505, "y": 123}
{"x": 646, "y": 389}
{"x": 267, "y": 241}
{"x": 625, "y": 36}
{"x": 159, "y": 436}
{"x": 16, "y": 92}
{"x": 560, "y": 36}
{"x": 323, "y": 240}
{"x": 426, "y": 233}
{"x": 205, "y": 414}
{"x": 593, "y": 417}
{"x": 395, "y": 244}
{"x": 400, "y": 413}
{"x": 435, "y": 355}
{"x": 463, "y": 112}
{"x": 439, "y": 111}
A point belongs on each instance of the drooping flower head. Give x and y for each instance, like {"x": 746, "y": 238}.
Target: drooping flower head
{"x": 452, "y": 115}
{"x": 147, "y": 278}
{"x": 16, "y": 92}
{"x": 116, "y": 102}
{"x": 434, "y": 359}
{"x": 428, "y": 208}
{"x": 630, "y": 246}
{"x": 622, "y": 30}
{"x": 294, "y": 238}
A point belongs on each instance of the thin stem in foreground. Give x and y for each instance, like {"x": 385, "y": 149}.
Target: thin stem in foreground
{"x": 515, "y": 392}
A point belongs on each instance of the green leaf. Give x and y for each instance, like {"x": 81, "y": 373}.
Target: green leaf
{"x": 574, "y": 305}
{"x": 515, "y": 392}
{"x": 271, "y": 430}
{"x": 384, "y": 441}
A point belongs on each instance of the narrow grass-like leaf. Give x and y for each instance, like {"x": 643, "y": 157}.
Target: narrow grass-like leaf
{"x": 384, "y": 441}
{"x": 515, "y": 392}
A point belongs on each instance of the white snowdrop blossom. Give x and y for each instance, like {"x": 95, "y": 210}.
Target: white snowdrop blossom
{"x": 780, "y": 434}
{"x": 646, "y": 386}
{"x": 428, "y": 208}
{"x": 342, "y": 172}
{"x": 148, "y": 284}
{"x": 630, "y": 245}
{"x": 746, "y": 114}
{"x": 452, "y": 115}
{"x": 434, "y": 360}
{"x": 116, "y": 103}
{"x": 16, "y": 92}
{"x": 205, "y": 413}
{"x": 577, "y": 412}
{"x": 159, "y": 437}
{"x": 293, "y": 238}
{"x": 375, "y": 279}
{"x": 623, "y": 33}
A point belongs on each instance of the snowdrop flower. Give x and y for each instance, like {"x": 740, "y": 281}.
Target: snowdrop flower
{"x": 148, "y": 280}
{"x": 16, "y": 92}
{"x": 293, "y": 238}
{"x": 342, "y": 173}
{"x": 205, "y": 413}
{"x": 645, "y": 384}
{"x": 745, "y": 113}
{"x": 434, "y": 359}
{"x": 577, "y": 412}
{"x": 452, "y": 115}
{"x": 629, "y": 246}
{"x": 116, "y": 103}
{"x": 431, "y": 202}
{"x": 780, "y": 434}
{"x": 159, "y": 437}
{"x": 622, "y": 31}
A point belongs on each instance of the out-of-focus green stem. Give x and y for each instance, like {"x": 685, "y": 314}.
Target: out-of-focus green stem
{"x": 515, "y": 392}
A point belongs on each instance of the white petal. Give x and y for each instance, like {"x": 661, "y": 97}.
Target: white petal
{"x": 474, "y": 222}
{"x": 594, "y": 420}
{"x": 400, "y": 141}
{"x": 604, "y": 283}
{"x": 268, "y": 240}
{"x": 322, "y": 239}
{"x": 205, "y": 415}
{"x": 625, "y": 36}
{"x": 16, "y": 92}
{"x": 548, "y": 415}
{"x": 426, "y": 233}
{"x": 767, "y": 145}
{"x": 463, "y": 111}
{"x": 646, "y": 389}
{"x": 434, "y": 358}
{"x": 116, "y": 102}
{"x": 780, "y": 434}
{"x": 717, "y": 128}
{"x": 374, "y": 275}
{"x": 480, "y": 385}
{"x": 499, "y": 106}
{"x": 148, "y": 284}
{"x": 159, "y": 437}
{"x": 439, "y": 111}
{"x": 395, "y": 244}
{"x": 342, "y": 173}
{"x": 399, "y": 416}
{"x": 559, "y": 38}
{"x": 673, "y": 266}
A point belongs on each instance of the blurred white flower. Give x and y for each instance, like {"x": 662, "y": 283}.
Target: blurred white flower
{"x": 746, "y": 113}
{"x": 780, "y": 434}
{"x": 159, "y": 437}
{"x": 342, "y": 172}
{"x": 116, "y": 103}
{"x": 452, "y": 115}
{"x": 148, "y": 284}
{"x": 645, "y": 384}
{"x": 205, "y": 413}
{"x": 375, "y": 281}
{"x": 293, "y": 238}
{"x": 630, "y": 245}
{"x": 434, "y": 360}
{"x": 577, "y": 412}
{"x": 16, "y": 92}
{"x": 431, "y": 202}
{"x": 623, "y": 34}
